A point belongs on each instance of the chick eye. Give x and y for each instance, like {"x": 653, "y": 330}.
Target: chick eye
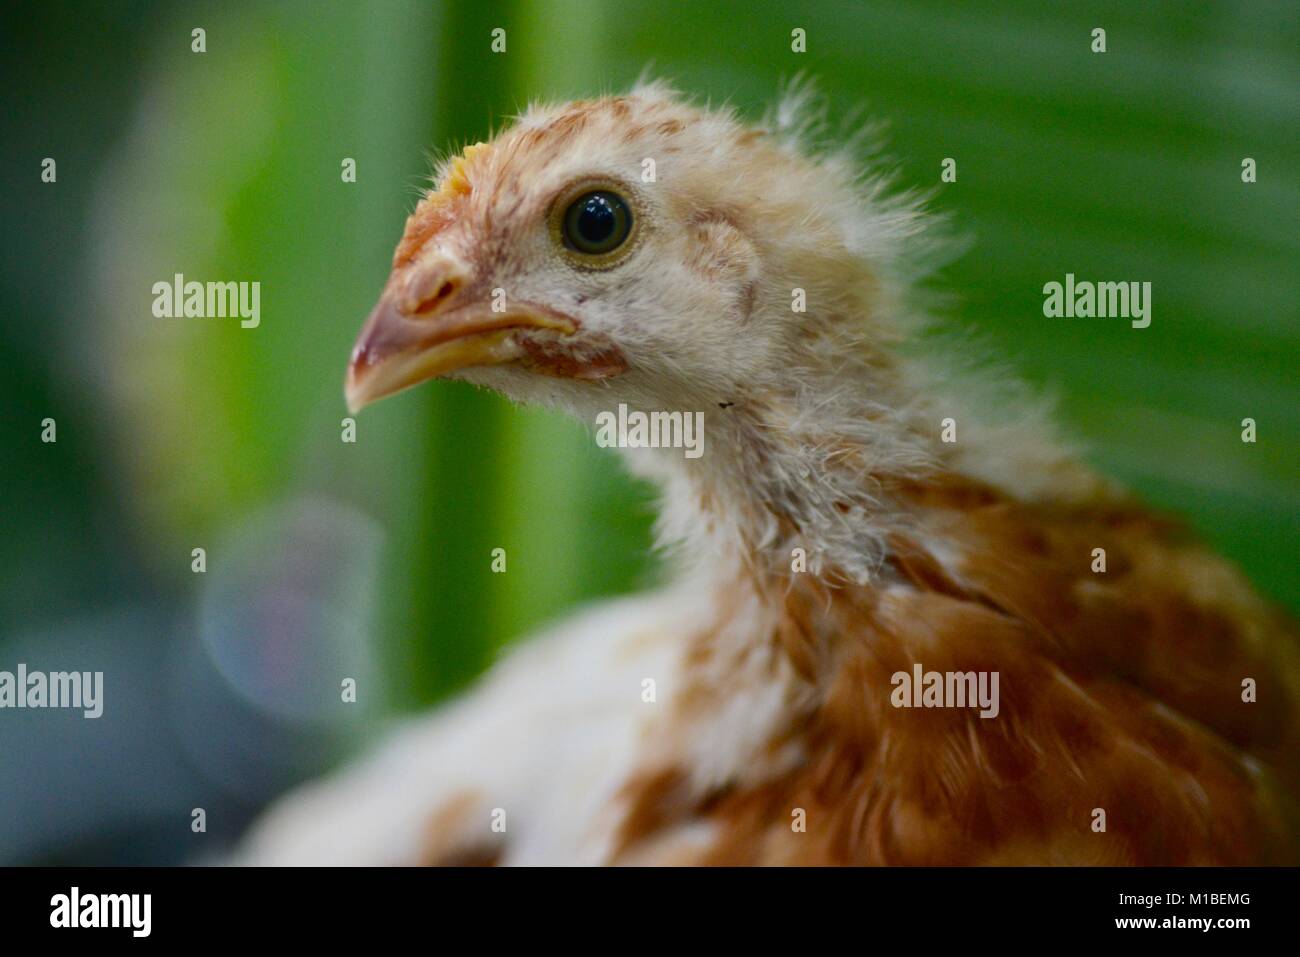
{"x": 597, "y": 223}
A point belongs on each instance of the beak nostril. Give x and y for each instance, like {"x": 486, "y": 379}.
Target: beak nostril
{"x": 444, "y": 293}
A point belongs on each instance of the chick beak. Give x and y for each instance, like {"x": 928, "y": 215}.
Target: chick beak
{"x": 434, "y": 324}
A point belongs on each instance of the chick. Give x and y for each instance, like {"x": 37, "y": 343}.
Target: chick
{"x": 878, "y": 647}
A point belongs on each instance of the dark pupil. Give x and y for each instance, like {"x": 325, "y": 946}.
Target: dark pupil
{"x": 596, "y": 220}
{"x": 597, "y": 223}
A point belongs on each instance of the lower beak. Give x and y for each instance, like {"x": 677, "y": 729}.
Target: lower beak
{"x": 397, "y": 350}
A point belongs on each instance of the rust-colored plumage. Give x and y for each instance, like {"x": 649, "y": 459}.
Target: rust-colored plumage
{"x": 1121, "y": 692}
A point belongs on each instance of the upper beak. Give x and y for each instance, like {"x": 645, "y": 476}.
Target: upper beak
{"x": 431, "y": 322}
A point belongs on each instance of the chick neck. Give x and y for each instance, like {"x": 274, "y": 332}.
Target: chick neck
{"x": 799, "y": 477}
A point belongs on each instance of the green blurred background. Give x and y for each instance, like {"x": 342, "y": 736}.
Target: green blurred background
{"x": 225, "y": 165}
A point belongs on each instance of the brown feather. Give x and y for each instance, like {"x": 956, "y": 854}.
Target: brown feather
{"x": 1119, "y": 691}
